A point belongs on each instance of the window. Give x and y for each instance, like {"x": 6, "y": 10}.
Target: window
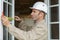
{"x": 53, "y": 19}
{"x": 8, "y": 9}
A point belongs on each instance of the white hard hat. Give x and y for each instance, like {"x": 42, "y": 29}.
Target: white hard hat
{"x": 40, "y": 6}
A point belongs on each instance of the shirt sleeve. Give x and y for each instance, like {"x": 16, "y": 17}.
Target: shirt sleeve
{"x": 19, "y": 34}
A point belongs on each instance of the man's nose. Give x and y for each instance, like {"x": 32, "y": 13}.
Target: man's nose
{"x": 31, "y": 13}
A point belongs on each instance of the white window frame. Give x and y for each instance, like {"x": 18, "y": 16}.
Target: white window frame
{"x": 1, "y": 11}
{"x": 48, "y": 18}
{"x": 1, "y": 28}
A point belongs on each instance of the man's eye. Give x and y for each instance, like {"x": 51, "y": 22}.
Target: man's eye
{"x": 34, "y": 11}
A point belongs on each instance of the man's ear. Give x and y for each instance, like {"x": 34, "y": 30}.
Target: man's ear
{"x": 40, "y": 14}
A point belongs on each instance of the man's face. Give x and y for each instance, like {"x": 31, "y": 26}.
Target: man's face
{"x": 35, "y": 14}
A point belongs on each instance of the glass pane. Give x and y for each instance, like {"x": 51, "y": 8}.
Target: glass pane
{"x": 10, "y": 1}
{"x": 54, "y": 14}
{"x": 5, "y": 33}
{"x": 53, "y": 2}
{"x": 5, "y": 9}
{"x": 54, "y": 31}
{"x": 9, "y": 10}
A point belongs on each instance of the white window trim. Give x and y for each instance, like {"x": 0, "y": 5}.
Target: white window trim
{"x": 13, "y": 8}
{"x": 1, "y": 11}
{"x": 1, "y": 28}
{"x": 48, "y": 18}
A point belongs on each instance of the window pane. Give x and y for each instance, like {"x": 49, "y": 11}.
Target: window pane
{"x": 54, "y": 14}
{"x": 10, "y": 1}
{"x": 53, "y": 2}
{"x": 54, "y": 31}
{"x": 5, "y": 9}
{"x": 5, "y": 35}
{"x": 9, "y": 10}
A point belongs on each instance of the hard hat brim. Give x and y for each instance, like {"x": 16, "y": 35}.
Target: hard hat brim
{"x": 34, "y": 8}
{"x": 31, "y": 8}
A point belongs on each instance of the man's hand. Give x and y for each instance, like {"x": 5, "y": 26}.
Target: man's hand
{"x": 5, "y": 21}
{"x": 17, "y": 18}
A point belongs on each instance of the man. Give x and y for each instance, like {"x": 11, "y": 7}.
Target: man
{"x": 38, "y": 32}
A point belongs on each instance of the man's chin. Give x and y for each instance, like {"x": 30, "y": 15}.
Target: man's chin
{"x": 33, "y": 19}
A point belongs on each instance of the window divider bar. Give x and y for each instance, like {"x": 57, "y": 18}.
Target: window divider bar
{"x": 54, "y": 22}
{"x": 49, "y": 37}
{"x": 13, "y": 8}
{"x": 54, "y": 5}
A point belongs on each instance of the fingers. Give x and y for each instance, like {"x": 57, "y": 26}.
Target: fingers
{"x": 16, "y": 17}
{"x": 4, "y": 18}
{"x": 5, "y": 21}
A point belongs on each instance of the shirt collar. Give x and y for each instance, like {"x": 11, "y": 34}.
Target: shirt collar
{"x": 42, "y": 21}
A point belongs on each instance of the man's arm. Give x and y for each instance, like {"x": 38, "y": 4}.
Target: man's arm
{"x": 19, "y": 34}
{"x": 13, "y": 30}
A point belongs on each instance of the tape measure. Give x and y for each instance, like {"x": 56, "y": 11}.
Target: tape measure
{"x": 9, "y": 18}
